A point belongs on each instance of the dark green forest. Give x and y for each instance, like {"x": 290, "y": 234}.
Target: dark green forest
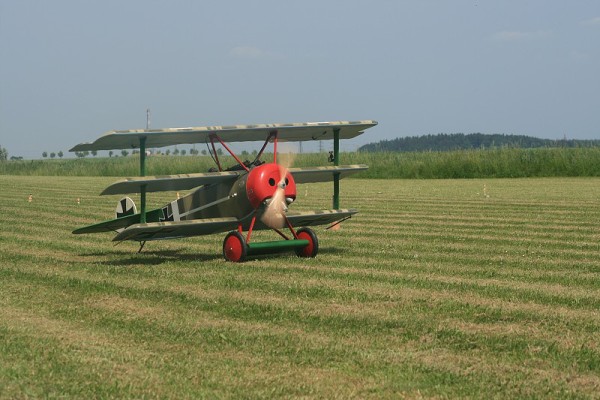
{"x": 461, "y": 141}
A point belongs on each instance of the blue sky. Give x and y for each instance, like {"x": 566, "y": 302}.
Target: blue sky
{"x": 71, "y": 70}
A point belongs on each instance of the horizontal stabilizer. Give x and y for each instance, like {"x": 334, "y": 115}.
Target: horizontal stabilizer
{"x": 179, "y": 229}
{"x": 169, "y": 182}
{"x": 324, "y": 174}
{"x": 293, "y": 132}
{"x": 109, "y": 226}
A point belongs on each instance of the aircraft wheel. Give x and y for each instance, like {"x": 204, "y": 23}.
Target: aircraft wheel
{"x": 312, "y": 248}
{"x": 235, "y": 248}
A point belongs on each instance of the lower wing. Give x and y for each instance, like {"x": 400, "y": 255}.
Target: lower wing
{"x": 198, "y": 227}
{"x": 320, "y": 217}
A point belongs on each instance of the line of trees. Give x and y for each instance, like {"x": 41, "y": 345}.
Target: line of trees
{"x": 60, "y": 154}
{"x": 461, "y": 141}
{"x": 125, "y": 153}
{"x": 4, "y": 155}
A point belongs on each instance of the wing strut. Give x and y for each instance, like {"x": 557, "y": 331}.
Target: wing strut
{"x": 336, "y": 162}
{"x": 214, "y": 154}
{"x": 272, "y": 134}
{"x": 143, "y": 173}
{"x": 212, "y": 141}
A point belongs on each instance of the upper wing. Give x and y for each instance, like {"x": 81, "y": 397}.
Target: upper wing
{"x": 170, "y": 182}
{"x": 179, "y": 229}
{"x": 324, "y": 174}
{"x": 237, "y": 133}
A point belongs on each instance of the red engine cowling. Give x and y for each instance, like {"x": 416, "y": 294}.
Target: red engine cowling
{"x": 264, "y": 180}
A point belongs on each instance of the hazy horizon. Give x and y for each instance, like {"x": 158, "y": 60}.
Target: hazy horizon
{"x": 71, "y": 71}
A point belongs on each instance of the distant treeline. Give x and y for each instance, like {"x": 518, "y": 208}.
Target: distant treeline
{"x": 460, "y": 141}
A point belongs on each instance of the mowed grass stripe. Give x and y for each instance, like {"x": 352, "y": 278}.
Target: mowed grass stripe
{"x": 442, "y": 336}
{"x": 445, "y": 279}
{"x": 366, "y": 356}
{"x": 574, "y": 244}
{"x": 474, "y": 280}
{"x": 541, "y": 293}
{"x": 479, "y": 219}
{"x": 388, "y": 295}
{"x": 438, "y": 308}
{"x": 466, "y": 276}
{"x": 206, "y": 366}
{"x": 250, "y": 300}
{"x": 307, "y": 292}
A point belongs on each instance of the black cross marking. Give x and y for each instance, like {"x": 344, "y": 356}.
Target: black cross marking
{"x": 125, "y": 212}
{"x": 167, "y": 214}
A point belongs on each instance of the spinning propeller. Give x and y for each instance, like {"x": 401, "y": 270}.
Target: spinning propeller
{"x": 277, "y": 205}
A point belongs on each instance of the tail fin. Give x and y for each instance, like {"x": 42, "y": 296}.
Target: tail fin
{"x": 125, "y": 215}
{"x": 125, "y": 207}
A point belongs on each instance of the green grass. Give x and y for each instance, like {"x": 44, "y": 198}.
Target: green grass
{"x": 491, "y": 163}
{"x": 437, "y": 288}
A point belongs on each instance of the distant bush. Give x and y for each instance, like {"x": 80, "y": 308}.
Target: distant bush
{"x": 498, "y": 163}
{"x": 493, "y": 163}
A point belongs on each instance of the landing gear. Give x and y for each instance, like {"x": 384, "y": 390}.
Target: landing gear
{"x": 312, "y": 248}
{"x": 235, "y": 248}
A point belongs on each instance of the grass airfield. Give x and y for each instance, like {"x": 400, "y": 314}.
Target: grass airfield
{"x": 437, "y": 288}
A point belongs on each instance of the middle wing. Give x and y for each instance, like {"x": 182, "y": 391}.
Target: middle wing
{"x": 324, "y": 174}
{"x": 170, "y": 182}
{"x": 189, "y": 181}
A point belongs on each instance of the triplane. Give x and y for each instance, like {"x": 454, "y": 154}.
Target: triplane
{"x": 241, "y": 199}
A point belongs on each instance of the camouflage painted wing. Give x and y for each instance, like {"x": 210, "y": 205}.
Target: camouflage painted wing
{"x": 170, "y": 182}
{"x": 176, "y": 230}
{"x": 320, "y": 217}
{"x": 324, "y": 174}
{"x": 130, "y": 139}
{"x": 189, "y": 181}
{"x": 198, "y": 227}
